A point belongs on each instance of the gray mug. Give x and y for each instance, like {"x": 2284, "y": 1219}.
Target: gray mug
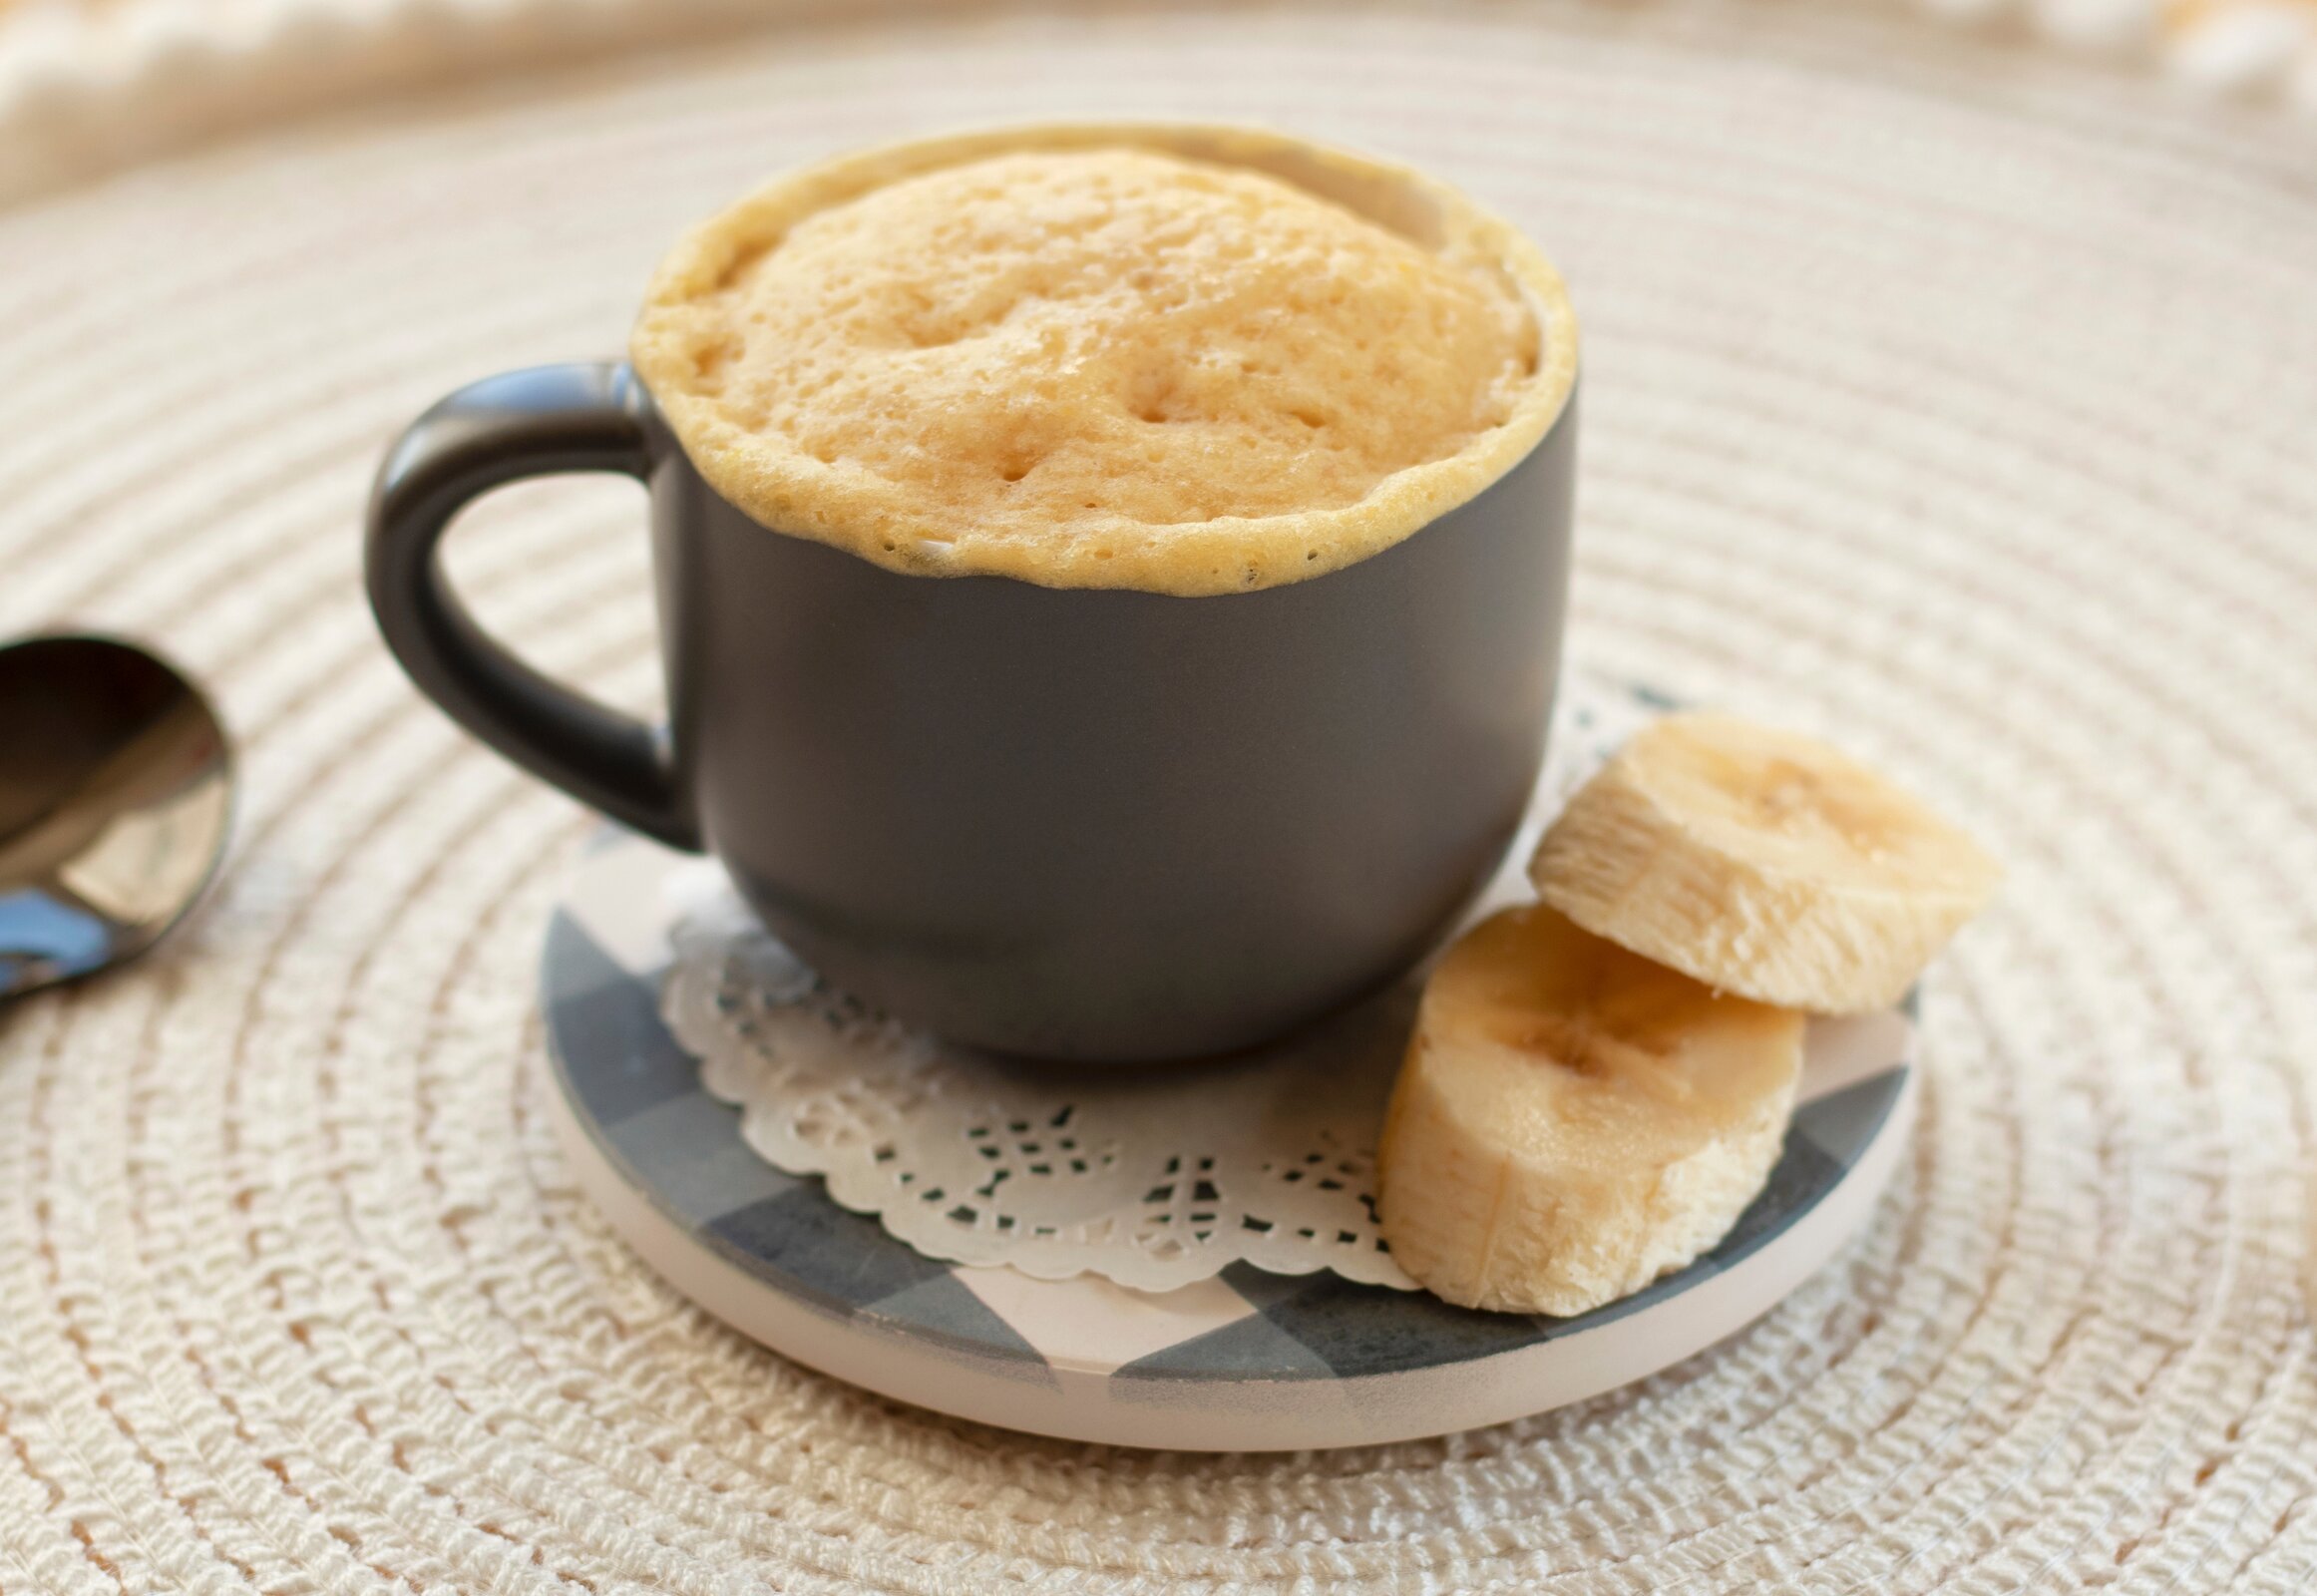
{"x": 1084, "y": 824}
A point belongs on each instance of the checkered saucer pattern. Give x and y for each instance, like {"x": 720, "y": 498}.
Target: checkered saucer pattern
{"x": 1245, "y": 1362}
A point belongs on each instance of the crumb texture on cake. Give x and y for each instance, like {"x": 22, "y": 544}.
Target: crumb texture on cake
{"x": 1138, "y": 361}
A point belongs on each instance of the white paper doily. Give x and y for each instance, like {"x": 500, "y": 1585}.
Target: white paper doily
{"x": 1154, "y": 1178}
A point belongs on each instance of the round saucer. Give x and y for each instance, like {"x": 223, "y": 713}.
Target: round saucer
{"x": 1243, "y": 1361}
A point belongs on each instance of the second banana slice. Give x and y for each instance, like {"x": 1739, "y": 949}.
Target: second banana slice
{"x": 1764, "y": 864}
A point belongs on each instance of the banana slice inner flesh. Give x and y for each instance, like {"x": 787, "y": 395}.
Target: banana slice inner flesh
{"x": 1763, "y": 864}
{"x": 1574, "y": 1120}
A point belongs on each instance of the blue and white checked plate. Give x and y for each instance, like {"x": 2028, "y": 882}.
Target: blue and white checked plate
{"x": 1246, "y": 1360}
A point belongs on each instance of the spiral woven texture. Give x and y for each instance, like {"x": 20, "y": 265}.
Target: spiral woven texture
{"x": 1948, "y": 399}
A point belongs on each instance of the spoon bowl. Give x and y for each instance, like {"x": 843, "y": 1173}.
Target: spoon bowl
{"x": 116, "y": 796}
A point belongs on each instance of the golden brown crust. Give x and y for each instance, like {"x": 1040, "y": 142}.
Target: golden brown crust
{"x": 884, "y": 419}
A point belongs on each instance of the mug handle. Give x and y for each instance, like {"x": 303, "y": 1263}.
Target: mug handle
{"x": 588, "y": 416}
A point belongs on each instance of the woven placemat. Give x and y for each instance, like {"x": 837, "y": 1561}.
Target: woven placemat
{"x": 1951, "y": 400}
{"x": 87, "y": 85}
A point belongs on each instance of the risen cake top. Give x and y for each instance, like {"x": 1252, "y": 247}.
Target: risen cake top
{"x": 1089, "y": 361}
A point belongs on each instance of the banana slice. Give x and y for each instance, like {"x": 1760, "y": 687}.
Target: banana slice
{"x": 1763, "y": 864}
{"x": 1573, "y": 1120}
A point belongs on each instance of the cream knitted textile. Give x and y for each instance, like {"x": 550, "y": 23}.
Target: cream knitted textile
{"x": 192, "y": 67}
{"x": 1951, "y": 400}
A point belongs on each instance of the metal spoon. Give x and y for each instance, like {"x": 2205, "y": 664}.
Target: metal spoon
{"x": 115, "y": 794}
